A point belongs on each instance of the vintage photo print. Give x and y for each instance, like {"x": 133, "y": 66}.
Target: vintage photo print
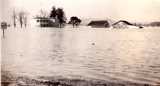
{"x": 80, "y": 42}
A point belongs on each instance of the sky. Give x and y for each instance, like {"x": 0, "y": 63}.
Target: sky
{"x": 133, "y": 10}
{"x": 0, "y": 10}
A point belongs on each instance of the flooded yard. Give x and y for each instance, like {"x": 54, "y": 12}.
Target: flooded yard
{"x": 125, "y": 56}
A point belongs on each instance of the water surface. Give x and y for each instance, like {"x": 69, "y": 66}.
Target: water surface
{"x": 97, "y": 53}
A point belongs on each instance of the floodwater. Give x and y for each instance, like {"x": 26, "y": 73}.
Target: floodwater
{"x": 93, "y": 53}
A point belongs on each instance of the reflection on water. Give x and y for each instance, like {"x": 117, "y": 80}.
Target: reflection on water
{"x": 107, "y": 54}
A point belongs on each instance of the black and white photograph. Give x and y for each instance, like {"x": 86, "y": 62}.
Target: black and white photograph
{"x": 80, "y": 42}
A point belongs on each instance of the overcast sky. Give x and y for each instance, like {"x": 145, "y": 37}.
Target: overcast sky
{"x": 133, "y": 10}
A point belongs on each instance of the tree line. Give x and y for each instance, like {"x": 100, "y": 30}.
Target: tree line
{"x": 21, "y": 18}
{"x": 58, "y": 13}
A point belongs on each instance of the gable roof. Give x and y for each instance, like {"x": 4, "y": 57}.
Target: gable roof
{"x": 123, "y": 21}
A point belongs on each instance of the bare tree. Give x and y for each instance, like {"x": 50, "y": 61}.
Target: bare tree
{"x": 43, "y": 13}
{"x": 14, "y": 18}
{"x": 22, "y": 16}
{"x": 25, "y": 21}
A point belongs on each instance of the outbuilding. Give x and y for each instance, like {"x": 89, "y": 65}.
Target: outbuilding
{"x": 99, "y": 24}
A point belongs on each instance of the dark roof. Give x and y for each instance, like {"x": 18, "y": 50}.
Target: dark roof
{"x": 123, "y": 21}
{"x": 98, "y": 22}
{"x": 127, "y": 23}
{"x": 155, "y": 23}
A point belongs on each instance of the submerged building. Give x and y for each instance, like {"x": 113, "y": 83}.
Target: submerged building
{"x": 125, "y": 24}
{"x": 154, "y": 24}
{"x": 99, "y": 24}
{"x": 47, "y": 22}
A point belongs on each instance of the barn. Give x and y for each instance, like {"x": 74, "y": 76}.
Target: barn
{"x": 99, "y": 24}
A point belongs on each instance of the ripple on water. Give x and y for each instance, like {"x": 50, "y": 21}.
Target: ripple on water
{"x": 111, "y": 55}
